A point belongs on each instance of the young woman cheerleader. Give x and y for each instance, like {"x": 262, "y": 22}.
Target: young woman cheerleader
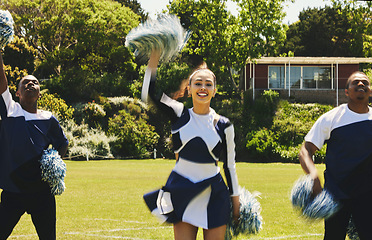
{"x": 195, "y": 195}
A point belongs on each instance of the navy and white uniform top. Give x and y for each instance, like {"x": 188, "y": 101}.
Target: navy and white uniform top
{"x": 199, "y": 140}
{"x": 349, "y": 150}
{"x": 195, "y": 192}
{"x": 23, "y": 137}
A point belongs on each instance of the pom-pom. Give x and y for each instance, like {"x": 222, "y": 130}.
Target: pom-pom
{"x": 53, "y": 170}
{"x": 351, "y": 230}
{"x": 6, "y": 28}
{"x": 164, "y": 34}
{"x": 322, "y": 206}
{"x": 250, "y": 221}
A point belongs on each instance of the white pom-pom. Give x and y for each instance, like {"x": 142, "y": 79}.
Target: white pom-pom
{"x": 164, "y": 34}
{"x": 53, "y": 171}
{"x": 250, "y": 216}
{"x": 322, "y": 206}
{"x": 6, "y": 28}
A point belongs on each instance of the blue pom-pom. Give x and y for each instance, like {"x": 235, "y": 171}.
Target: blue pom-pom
{"x": 322, "y": 206}
{"x": 6, "y": 28}
{"x": 250, "y": 216}
{"x": 164, "y": 34}
{"x": 53, "y": 171}
{"x": 301, "y": 192}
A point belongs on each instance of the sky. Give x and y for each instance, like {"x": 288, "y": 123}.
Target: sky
{"x": 292, "y": 9}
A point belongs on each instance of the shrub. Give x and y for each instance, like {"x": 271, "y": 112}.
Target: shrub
{"x": 135, "y": 137}
{"x": 85, "y": 141}
{"x": 56, "y": 105}
{"x": 14, "y": 76}
{"x": 93, "y": 114}
{"x": 282, "y": 139}
{"x": 261, "y": 144}
{"x": 263, "y": 109}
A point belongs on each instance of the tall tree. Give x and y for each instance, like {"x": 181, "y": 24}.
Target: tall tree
{"x": 208, "y": 20}
{"x": 260, "y": 30}
{"x": 70, "y": 33}
{"x": 340, "y": 30}
{"x": 359, "y": 15}
{"x": 226, "y": 41}
{"x": 136, "y": 8}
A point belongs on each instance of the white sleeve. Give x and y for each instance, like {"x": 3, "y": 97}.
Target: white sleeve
{"x": 320, "y": 132}
{"x": 146, "y": 84}
{"x": 230, "y": 169}
{"x": 175, "y": 105}
{"x": 12, "y": 108}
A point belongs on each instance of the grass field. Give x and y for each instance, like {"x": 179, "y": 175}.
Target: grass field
{"x": 103, "y": 200}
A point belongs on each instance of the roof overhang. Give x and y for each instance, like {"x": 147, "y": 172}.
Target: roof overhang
{"x": 311, "y": 60}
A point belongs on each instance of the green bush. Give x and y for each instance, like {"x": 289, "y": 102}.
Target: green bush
{"x": 123, "y": 118}
{"x": 85, "y": 141}
{"x": 135, "y": 137}
{"x": 261, "y": 144}
{"x": 282, "y": 138}
{"x": 263, "y": 109}
{"x": 56, "y": 105}
{"x": 14, "y": 76}
{"x": 94, "y": 114}
{"x": 77, "y": 84}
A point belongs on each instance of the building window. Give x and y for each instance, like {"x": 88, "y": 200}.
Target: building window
{"x": 295, "y": 80}
{"x": 276, "y": 77}
{"x": 301, "y": 77}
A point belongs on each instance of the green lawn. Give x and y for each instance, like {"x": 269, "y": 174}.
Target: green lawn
{"x": 103, "y": 200}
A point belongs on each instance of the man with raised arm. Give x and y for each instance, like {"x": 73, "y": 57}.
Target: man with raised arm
{"x": 25, "y": 132}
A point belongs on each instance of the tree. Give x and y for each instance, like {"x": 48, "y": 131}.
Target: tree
{"x": 359, "y": 14}
{"x": 18, "y": 54}
{"x": 320, "y": 32}
{"x": 208, "y": 21}
{"x": 224, "y": 41}
{"x": 69, "y": 33}
{"x": 260, "y": 30}
{"x": 76, "y": 42}
{"x": 340, "y": 30}
{"x": 136, "y": 8}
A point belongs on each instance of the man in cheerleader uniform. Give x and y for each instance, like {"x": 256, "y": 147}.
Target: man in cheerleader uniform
{"x": 25, "y": 132}
{"x": 347, "y": 130}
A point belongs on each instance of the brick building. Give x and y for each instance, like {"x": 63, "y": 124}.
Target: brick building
{"x": 306, "y": 79}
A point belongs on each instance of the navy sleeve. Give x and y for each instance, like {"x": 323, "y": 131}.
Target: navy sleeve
{"x": 170, "y": 107}
{"x": 56, "y": 135}
{"x": 3, "y": 110}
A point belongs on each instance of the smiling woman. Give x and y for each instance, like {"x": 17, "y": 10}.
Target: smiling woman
{"x": 202, "y": 88}
{"x": 195, "y": 194}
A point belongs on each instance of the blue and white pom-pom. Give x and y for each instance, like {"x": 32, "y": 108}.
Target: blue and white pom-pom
{"x": 53, "y": 171}
{"x": 250, "y": 221}
{"x": 322, "y": 206}
{"x": 6, "y": 28}
{"x": 164, "y": 34}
